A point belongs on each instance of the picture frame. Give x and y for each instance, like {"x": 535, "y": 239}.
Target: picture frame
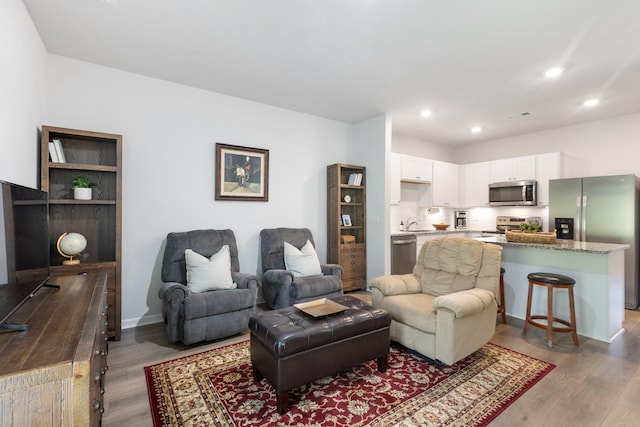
{"x": 346, "y": 220}
{"x": 241, "y": 173}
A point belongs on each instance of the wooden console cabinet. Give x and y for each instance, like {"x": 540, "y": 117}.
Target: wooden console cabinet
{"x": 97, "y": 156}
{"x": 346, "y": 240}
{"x": 53, "y": 373}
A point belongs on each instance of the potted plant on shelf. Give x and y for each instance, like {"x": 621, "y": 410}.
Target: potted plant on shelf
{"x": 81, "y": 188}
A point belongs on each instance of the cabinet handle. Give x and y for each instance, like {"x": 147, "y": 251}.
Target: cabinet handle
{"x": 96, "y": 404}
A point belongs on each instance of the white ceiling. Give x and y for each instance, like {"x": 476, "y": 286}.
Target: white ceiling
{"x": 469, "y": 61}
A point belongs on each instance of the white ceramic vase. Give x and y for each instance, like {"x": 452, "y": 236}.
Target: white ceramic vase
{"x": 82, "y": 193}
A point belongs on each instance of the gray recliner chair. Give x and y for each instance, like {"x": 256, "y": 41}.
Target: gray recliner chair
{"x": 193, "y": 317}
{"x": 280, "y": 288}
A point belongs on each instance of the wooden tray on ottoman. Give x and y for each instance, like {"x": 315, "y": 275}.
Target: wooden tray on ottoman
{"x": 530, "y": 237}
{"x": 320, "y": 307}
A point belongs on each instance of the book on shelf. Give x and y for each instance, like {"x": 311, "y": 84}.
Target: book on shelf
{"x": 59, "y": 151}
{"x": 52, "y": 153}
{"x": 358, "y": 179}
{"x": 352, "y": 179}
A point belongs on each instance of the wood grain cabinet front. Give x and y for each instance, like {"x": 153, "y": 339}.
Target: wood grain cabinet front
{"x": 53, "y": 374}
{"x": 352, "y": 260}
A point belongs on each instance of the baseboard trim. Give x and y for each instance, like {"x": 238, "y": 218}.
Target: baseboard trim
{"x": 141, "y": 321}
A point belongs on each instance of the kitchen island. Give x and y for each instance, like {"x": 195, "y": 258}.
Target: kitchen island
{"x": 598, "y": 269}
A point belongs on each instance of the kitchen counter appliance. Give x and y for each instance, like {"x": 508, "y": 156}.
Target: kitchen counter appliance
{"x": 504, "y": 223}
{"x": 460, "y": 220}
{"x": 601, "y": 209}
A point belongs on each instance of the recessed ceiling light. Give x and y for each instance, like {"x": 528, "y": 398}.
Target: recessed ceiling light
{"x": 426, "y": 113}
{"x": 553, "y": 72}
{"x": 591, "y": 102}
{"x": 476, "y": 129}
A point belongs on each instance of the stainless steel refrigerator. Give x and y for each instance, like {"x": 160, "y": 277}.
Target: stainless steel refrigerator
{"x": 600, "y": 209}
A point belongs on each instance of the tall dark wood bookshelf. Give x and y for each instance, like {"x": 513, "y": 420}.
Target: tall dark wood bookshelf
{"x": 97, "y": 156}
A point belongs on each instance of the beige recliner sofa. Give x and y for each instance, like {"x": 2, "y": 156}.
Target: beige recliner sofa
{"x": 446, "y": 309}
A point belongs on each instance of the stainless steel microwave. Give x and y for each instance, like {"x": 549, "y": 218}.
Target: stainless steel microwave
{"x": 513, "y": 193}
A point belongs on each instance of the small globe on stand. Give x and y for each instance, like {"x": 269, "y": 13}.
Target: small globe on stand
{"x": 70, "y": 245}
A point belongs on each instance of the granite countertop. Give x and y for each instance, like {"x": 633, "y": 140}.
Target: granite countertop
{"x": 560, "y": 245}
{"x": 443, "y": 232}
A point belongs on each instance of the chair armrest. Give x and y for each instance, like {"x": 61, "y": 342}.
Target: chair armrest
{"x": 246, "y": 281}
{"x": 465, "y": 303}
{"x": 173, "y": 290}
{"x": 277, "y": 276}
{"x": 332, "y": 270}
{"x": 276, "y": 288}
{"x": 396, "y": 284}
{"x": 172, "y": 295}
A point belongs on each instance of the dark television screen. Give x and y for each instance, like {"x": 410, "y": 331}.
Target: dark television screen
{"x": 24, "y": 245}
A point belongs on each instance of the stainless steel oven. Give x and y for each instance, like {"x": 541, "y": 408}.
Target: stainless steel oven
{"x": 513, "y": 193}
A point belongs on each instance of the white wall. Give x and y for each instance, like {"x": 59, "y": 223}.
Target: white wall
{"x": 430, "y": 150}
{"x": 371, "y": 147}
{"x": 603, "y": 147}
{"x": 22, "y": 92}
{"x": 169, "y": 135}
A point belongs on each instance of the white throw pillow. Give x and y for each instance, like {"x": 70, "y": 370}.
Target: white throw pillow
{"x": 209, "y": 274}
{"x": 303, "y": 262}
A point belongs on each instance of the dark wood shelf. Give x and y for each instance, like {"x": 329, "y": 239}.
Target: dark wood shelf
{"x": 98, "y": 157}
{"x": 81, "y": 202}
{"x": 83, "y": 166}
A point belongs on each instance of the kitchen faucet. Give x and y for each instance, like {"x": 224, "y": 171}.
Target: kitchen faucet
{"x": 409, "y": 223}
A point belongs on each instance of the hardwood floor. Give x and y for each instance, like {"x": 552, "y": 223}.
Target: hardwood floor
{"x": 593, "y": 384}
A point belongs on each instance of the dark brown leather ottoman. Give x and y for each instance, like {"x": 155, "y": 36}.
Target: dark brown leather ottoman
{"x": 291, "y": 348}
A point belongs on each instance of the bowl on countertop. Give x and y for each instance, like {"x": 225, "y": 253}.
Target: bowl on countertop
{"x": 441, "y": 226}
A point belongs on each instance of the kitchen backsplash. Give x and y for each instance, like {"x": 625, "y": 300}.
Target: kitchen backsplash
{"x": 477, "y": 218}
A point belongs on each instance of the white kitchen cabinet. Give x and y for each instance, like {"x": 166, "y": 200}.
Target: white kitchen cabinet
{"x": 475, "y": 184}
{"x": 547, "y": 167}
{"x": 416, "y": 169}
{"x": 513, "y": 169}
{"x": 445, "y": 184}
{"x": 395, "y": 173}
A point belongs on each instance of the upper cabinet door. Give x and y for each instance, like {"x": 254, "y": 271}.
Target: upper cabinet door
{"x": 547, "y": 168}
{"x": 476, "y": 184}
{"x": 445, "y": 184}
{"x": 416, "y": 169}
{"x": 514, "y": 169}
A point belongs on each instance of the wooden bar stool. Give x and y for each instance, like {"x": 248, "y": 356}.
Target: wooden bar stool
{"x": 501, "y": 311}
{"x": 551, "y": 281}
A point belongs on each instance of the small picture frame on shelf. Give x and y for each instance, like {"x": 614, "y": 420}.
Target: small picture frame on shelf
{"x": 346, "y": 220}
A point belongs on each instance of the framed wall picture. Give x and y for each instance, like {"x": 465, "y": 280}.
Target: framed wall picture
{"x": 346, "y": 220}
{"x": 242, "y": 173}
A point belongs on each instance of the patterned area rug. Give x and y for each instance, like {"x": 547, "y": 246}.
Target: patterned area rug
{"x": 216, "y": 388}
